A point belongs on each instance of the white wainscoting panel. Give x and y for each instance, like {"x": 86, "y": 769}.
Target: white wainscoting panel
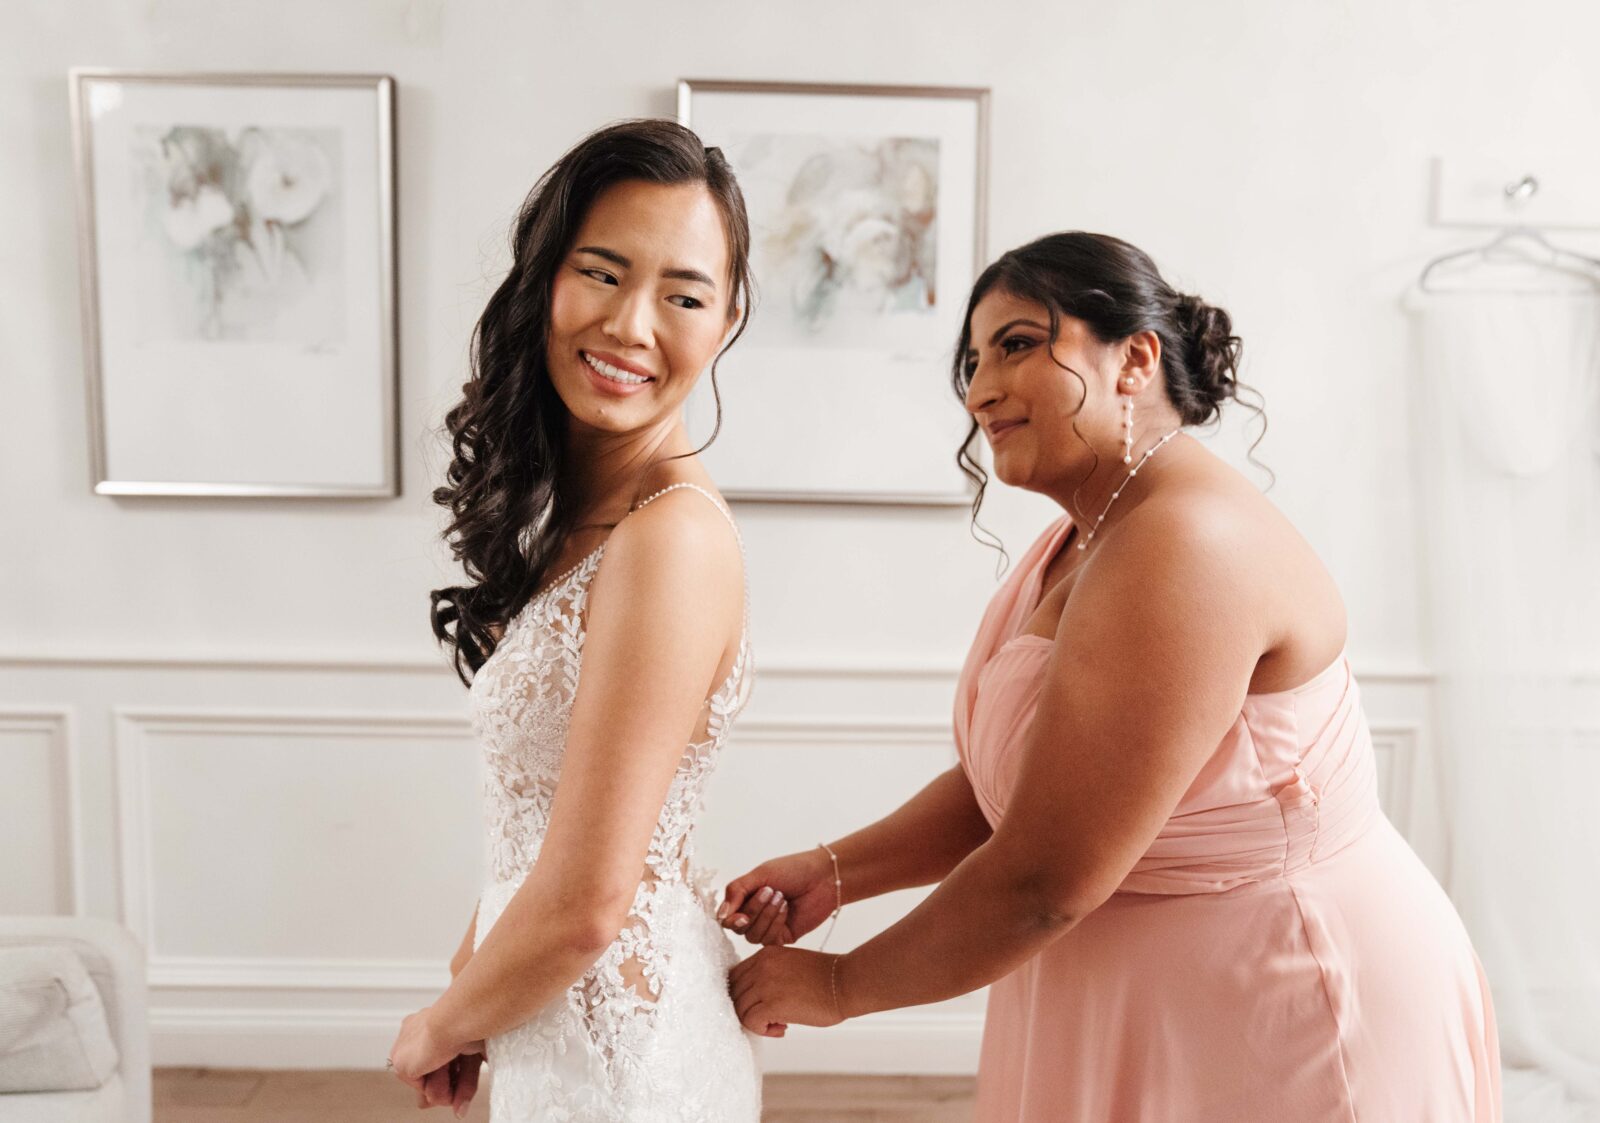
{"x": 279, "y": 848}
{"x": 301, "y": 854}
{"x": 39, "y": 840}
{"x": 1395, "y": 749}
{"x": 297, "y": 1037}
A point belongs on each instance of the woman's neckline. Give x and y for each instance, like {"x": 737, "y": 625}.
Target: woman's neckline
{"x": 1057, "y": 544}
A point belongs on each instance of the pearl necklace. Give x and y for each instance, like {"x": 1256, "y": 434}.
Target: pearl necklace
{"x": 1132, "y": 472}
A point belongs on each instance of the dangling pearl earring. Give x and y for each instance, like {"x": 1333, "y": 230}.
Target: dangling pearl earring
{"x": 1127, "y": 425}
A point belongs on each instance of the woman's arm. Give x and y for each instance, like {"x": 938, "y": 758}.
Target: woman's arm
{"x": 917, "y": 844}
{"x": 1151, "y": 663}
{"x": 464, "y": 952}
{"x": 661, "y": 607}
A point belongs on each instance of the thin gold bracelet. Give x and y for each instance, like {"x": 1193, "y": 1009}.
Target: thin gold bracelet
{"x": 833, "y": 978}
{"x": 838, "y": 903}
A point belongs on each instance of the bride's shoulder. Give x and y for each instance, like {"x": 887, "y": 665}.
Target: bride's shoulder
{"x": 679, "y": 543}
{"x": 682, "y": 516}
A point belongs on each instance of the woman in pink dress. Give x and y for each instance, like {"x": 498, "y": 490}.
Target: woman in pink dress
{"x": 1162, "y": 846}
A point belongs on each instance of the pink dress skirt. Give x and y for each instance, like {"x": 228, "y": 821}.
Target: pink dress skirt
{"x": 1279, "y": 954}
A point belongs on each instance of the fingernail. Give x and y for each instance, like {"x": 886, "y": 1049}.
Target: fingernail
{"x": 780, "y": 902}
{"x": 722, "y": 910}
{"x": 765, "y": 895}
{"x": 740, "y": 921}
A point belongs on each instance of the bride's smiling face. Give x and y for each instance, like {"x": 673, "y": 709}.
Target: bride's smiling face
{"x": 640, "y": 305}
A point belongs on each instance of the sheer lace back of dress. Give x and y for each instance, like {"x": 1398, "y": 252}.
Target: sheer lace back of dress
{"x": 522, "y": 704}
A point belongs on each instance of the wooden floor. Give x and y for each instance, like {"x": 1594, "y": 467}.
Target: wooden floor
{"x": 214, "y": 1095}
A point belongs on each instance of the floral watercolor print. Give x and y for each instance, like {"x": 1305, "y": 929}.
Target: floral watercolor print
{"x": 843, "y": 234}
{"x": 241, "y": 236}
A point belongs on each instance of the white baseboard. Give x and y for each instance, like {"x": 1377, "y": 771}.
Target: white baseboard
{"x": 898, "y": 1043}
{"x": 266, "y": 1038}
{"x": 894, "y": 1043}
{"x": 427, "y": 976}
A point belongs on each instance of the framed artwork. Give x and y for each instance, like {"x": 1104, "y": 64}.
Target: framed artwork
{"x": 867, "y": 209}
{"x": 236, "y": 239}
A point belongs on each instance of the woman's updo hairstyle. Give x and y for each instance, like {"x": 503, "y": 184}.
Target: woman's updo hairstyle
{"x": 1115, "y": 289}
{"x": 1204, "y": 373}
{"x": 509, "y": 506}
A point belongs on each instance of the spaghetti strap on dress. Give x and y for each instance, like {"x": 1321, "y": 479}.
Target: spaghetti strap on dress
{"x": 1279, "y": 954}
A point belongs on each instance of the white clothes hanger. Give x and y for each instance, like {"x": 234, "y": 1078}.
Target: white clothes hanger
{"x": 1517, "y": 245}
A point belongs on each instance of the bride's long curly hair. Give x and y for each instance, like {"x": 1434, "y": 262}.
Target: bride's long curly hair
{"x": 509, "y": 508}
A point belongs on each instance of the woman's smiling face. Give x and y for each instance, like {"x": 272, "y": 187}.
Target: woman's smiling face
{"x": 640, "y": 305}
{"x": 1026, "y": 400}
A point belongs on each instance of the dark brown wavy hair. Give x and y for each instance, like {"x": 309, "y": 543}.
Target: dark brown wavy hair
{"x": 1115, "y": 289}
{"x": 509, "y": 508}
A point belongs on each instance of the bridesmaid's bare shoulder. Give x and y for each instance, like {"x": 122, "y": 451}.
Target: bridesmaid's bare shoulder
{"x": 1251, "y": 566}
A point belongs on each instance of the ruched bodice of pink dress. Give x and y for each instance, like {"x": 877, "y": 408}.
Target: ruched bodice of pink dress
{"x": 1279, "y": 954}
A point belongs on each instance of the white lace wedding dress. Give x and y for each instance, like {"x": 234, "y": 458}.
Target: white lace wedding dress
{"x": 649, "y": 1033}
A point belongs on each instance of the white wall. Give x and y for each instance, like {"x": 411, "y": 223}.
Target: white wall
{"x": 158, "y": 653}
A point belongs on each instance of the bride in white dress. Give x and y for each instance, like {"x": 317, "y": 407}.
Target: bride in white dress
{"x": 606, "y": 648}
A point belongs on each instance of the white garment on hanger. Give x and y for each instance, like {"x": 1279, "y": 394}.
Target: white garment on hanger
{"x": 1507, "y": 427}
{"x": 1522, "y": 366}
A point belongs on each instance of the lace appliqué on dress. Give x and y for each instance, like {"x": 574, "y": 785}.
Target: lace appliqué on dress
{"x": 649, "y": 1032}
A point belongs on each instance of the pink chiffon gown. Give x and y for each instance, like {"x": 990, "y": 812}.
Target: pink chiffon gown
{"x": 1279, "y": 954}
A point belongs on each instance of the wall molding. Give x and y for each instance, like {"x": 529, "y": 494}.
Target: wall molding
{"x": 793, "y": 665}
{"x": 298, "y": 720}
{"x": 307, "y": 1035}
{"x": 269, "y": 1037}
{"x": 57, "y": 722}
{"x": 894, "y": 1042}
{"x": 132, "y": 728}
{"x": 1396, "y": 747}
{"x": 223, "y": 973}
{"x": 135, "y": 725}
{"x": 426, "y": 662}
{"x": 274, "y": 1012}
{"x": 808, "y": 729}
{"x": 228, "y": 660}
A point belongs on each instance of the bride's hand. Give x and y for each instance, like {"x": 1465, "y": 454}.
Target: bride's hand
{"x": 781, "y": 900}
{"x": 420, "y": 1055}
{"x": 452, "y": 1085}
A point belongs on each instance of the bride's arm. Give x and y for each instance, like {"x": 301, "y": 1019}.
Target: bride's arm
{"x": 661, "y": 608}
{"x": 464, "y": 952}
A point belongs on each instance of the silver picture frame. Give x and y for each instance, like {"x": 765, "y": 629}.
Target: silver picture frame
{"x": 162, "y": 419}
{"x": 751, "y": 469}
